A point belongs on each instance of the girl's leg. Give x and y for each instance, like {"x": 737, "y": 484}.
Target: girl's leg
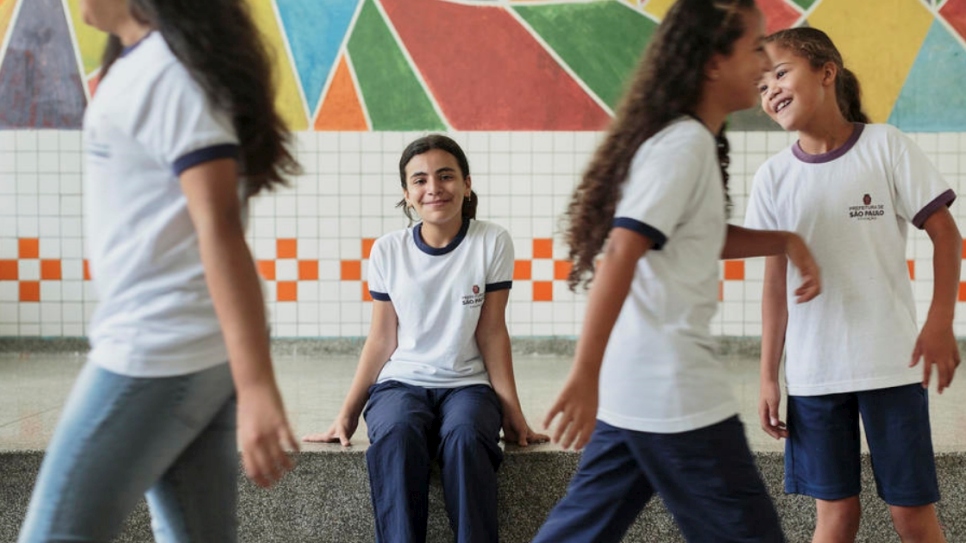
{"x": 607, "y": 493}
{"x": 837, "y": 521}
{"x": 897, "y": 428}
{"x": 117, "y": 436}
{"x": 822, "y": 460}
{"x": 469, "y": 455}
{"x": 710, "y": 483}
{"x": 400, "y": 421}
{"x": 196, "y": 498}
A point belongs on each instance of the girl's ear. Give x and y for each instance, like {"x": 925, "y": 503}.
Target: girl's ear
{"x": 469, "y": 184}
{"x": 829, "y": 73}
{"x": 712, "y": 70}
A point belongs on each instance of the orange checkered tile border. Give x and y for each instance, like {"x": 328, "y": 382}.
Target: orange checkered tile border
{"x": 541, "y": 288}
{"x": 51, "y": 269}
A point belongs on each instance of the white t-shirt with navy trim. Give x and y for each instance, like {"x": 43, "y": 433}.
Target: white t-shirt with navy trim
{"x": 852, "y": 206}
{"x": 148, "y": 122}
{"x": 438, "y": 295}
{"x": 659, "y": 372}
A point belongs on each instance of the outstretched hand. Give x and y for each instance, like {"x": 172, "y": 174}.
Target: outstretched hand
{"x": 802, "y": 258}
{"x": 516, "y": 430}
{"x": 340, "y": 432}
{"x": 769, "y": 400}
{"x": 264, "y": 434}
{"x": 576, "y": 408}
{"x": 936, "y": 346}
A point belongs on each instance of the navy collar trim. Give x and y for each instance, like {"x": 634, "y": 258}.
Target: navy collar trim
{"x": 437, "y": 251}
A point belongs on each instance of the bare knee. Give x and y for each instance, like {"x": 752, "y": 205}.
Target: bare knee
{"x": 917, "y": 524}
{"x": 837, "y": 520}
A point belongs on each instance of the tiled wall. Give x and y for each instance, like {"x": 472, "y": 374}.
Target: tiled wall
{"x": 312, "y": 239}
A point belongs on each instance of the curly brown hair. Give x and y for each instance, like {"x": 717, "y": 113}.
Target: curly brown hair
{"x": 667, "y": 84}
{"x": 817, "y": 48}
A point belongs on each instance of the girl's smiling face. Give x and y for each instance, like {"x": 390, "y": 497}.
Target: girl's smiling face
{"x": 436, "y": 187}
{"x": 792, "y": 91}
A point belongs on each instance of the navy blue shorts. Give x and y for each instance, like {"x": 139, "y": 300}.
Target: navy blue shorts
{"x": 822, "y": 453}
{"x": 707, "y": 478}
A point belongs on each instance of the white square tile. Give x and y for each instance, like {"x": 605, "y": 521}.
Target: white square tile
{"x": 72, "y": 291}
{"x": 28, "y": 270}
{"x": 29, "y": 313}
{"x": 26, "y": 140}
{"x": 9, "y": 292}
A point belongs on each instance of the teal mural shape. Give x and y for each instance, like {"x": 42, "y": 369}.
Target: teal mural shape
{"x": 316, "y": 31}
{"x": 40, "y": 81}
{"x": 925, "y": 106}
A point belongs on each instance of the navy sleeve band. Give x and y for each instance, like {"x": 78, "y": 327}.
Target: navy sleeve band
{"x": 207, "y": 154}
{"x": 657, "y": 238}
{"x": 503, "y": 285}
{"x": 944, "y": 199}
{"x": 381, "y": 296}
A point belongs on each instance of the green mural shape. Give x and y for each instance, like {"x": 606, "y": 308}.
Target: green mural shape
{"x": 601, "y": 42}
{"x": 393, "y": 96}
{"x": 804, "y": 4}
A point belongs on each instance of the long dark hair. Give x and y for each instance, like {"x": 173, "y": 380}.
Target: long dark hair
{"x": 668, "y": 83}
{"x": 817, "y": 48}
{"x": 220, "y": 46}
{"x": 443, "y": 143}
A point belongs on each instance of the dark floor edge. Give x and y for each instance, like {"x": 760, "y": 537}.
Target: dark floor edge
{"x": 527, "y": 345}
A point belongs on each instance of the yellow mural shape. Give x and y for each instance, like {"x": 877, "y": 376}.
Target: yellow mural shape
{"x": 289, "y": 99}
{"x": 90, "y": 41}
{"x": 658, "y": 8}
{"x": 878, "y": 42}
{"x": 6, "y": 13}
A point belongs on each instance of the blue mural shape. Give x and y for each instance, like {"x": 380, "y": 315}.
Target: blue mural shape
{"x": 925, "y": 106}
{"x": 316, "y": 31}
{"x": 40, "y": 81}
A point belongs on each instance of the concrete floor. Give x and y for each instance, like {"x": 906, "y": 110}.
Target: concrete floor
{"x": 33, "y": 388}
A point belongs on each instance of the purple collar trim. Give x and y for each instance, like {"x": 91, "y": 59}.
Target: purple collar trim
{"x": 127, "y": 50}
{"x": 831, "y": 155}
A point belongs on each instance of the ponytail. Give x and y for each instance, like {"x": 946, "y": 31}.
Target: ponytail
{"x": 849, "y": 95}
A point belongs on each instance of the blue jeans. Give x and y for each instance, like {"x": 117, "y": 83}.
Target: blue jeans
{"x": 409, "y": 426}
{"x": 120, "y": 437}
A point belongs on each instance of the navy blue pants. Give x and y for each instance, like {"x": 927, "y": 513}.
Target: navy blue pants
{"x": 706, "y": 477}
{"x": 409, "y": 427}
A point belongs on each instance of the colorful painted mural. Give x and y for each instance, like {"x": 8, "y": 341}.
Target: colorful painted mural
{"x": 534, "y": 65}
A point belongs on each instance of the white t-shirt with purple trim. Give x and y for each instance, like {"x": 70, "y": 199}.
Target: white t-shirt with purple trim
{"x": 660, "y": 373}
{"x": 852, "y": 206}
{"x": 438, "y": 295}
{"x": 148, "y": 122}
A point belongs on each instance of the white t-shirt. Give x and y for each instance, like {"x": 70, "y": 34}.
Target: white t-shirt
{"x": 659, "y": 372}
{"x": 438, "y": 294}
{"x": 851, "y": 206}
{"x": 148, "y": 122}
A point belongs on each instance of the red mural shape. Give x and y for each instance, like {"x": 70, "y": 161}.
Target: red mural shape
{"x": 487, "y": 72}
{"x": 954, "y": 11}
{"x": 779, "y": 15}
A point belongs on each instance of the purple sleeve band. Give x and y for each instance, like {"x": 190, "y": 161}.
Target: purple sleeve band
{"x": 207, "y": 154}
{"x": 381, "y": 296}
{"x": 944, "y": 199}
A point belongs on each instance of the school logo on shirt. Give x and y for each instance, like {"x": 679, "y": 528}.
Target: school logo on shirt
{"x": 475, "y": 299}
{"x": 867, "y": 211}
